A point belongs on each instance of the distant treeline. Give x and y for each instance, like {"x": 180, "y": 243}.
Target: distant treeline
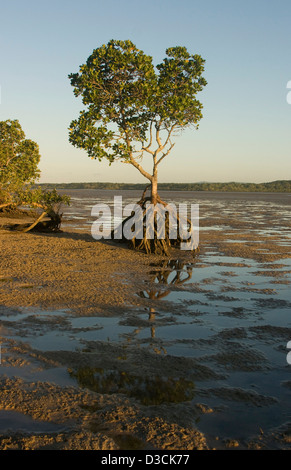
{"x": 282, "y": 186}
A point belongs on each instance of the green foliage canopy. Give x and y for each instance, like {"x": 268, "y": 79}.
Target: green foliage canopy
{"x": 19, "y": 157}
{"x": 132, "y": 106}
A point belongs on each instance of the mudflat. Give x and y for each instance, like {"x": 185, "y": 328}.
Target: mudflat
{"x": 106, "y": 348}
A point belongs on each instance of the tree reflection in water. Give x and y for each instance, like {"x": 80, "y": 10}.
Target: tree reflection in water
{"x": 171, "y": 273}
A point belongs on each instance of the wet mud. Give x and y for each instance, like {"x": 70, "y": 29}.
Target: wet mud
{"x": 106, "y": 348}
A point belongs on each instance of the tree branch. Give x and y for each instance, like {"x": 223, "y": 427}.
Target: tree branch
{"x": 5, "y": 165}
{"x": 147, "y": 148}
{"x": 139, "y": 167}
{"x": 131, "y": 159}
{"x": 158, "y": 139}
{"x": 165, "y": 154}
{"x": 167, "y": 141}
{"x": 169, "y": 135}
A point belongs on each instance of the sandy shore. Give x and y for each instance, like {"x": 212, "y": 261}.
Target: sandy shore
{"x": 68, "y": 270}
{"x": 71, "y": 273}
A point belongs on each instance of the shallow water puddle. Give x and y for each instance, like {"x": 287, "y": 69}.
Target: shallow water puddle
{"x": 13, "y": 421}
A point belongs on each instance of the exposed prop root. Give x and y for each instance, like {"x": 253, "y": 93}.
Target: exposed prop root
{"x": 145, "y": 199}
{"x": 159, "y": 239}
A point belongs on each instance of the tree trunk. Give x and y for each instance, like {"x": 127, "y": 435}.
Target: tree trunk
{"x": 154, "y": 188}
{"x": 156, "y": 240}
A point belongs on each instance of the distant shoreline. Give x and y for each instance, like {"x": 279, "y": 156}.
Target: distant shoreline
{"x": 279, "y": 186}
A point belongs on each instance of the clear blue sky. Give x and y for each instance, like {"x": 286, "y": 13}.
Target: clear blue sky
{"x": 246, "y": 129}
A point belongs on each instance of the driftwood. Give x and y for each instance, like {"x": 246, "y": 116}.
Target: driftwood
{"x": 35, "y": 223}
{"x": 26, "y": 221}
{"x": 2, "y": 206}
